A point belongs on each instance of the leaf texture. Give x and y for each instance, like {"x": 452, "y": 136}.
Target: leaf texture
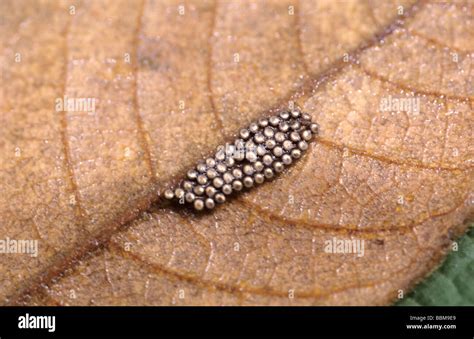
{"x": 87, "y": 185}
{"x": 449, "y": 285}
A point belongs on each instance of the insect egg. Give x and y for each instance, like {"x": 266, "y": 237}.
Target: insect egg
{"x": 263, "y": 149}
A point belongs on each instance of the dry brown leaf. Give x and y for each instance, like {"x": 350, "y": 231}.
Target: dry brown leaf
{"x": 80, "y": 182}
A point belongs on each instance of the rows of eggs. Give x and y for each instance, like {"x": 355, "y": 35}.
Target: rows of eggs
{"x": 262, "y": 150}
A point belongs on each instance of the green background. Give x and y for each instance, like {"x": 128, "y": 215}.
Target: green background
{"x": 453, "y": 283}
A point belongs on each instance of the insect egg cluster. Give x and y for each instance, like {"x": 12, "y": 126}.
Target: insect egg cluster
{"x": 261, "y": 151}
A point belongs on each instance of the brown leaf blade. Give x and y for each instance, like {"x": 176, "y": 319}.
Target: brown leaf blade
{"x": 400, "y": 182}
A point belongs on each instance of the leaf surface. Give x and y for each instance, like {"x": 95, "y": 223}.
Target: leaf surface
{"x": 87, "y": 185}
{"x": 450, "y": 284}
